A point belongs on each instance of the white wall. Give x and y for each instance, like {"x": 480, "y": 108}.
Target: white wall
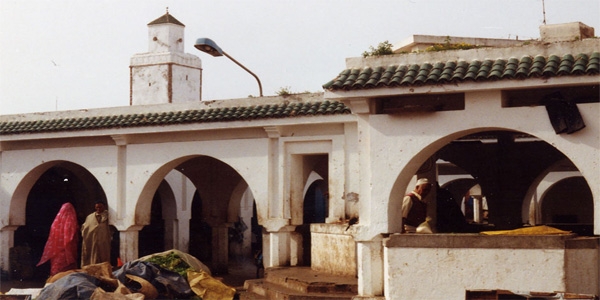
{"x": 186, "y": 84}
{"x": 333, "y": 249}
{"x": 149, "y": 84}
{"x": 438, "y": 267}
{"x": 442, "y": 273}
{"x": 166, "y": 37}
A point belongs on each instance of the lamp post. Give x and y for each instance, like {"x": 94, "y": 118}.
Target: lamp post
{"x": 209, "y": 46}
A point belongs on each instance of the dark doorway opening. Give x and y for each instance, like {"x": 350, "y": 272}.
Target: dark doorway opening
{"x": 315, "y": 211}
{"x": 152, "y": 236}
{"x": 200, "y": 233}
{"x": 62, "y": 183}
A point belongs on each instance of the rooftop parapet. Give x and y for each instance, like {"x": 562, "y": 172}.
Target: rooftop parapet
{"x": 417, "y": 43}
{"x": 533, "y": 49}
{"x": 565, "y": 32}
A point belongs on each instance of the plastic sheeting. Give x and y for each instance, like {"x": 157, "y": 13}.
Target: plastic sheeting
{"x": 136, "y": 280}
{"x": 71, "y": 286}
{"x": 169, "y": 284}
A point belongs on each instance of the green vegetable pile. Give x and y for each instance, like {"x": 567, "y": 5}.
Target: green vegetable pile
{"x": 171, "y": 262}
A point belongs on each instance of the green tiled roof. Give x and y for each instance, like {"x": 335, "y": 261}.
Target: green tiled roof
{"x": 460, "y": 71}
{"x": 179, "y": 117}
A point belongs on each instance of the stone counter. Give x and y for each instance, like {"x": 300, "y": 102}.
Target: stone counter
{"x": 444, "y": 266}
{"x": 333, "y": 249}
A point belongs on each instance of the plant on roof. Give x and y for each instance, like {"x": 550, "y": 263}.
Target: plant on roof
{"x": 448, "y": 45}
{"x": 284, "y": 91}
{"x": 384, "y": 48}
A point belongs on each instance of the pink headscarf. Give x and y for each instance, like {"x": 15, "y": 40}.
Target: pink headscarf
{"x": 61, "y": 247}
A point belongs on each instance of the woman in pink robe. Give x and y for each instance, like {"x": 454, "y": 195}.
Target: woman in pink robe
{"x": 61, "y": 247}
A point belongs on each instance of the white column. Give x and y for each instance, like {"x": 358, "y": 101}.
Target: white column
{"x": 352, "y": 170}
{"x": 266, "y": 249}
{"x": 183, "y": 242}
{"x": 129, "y": 244}
{"x": 279, "y": 250}
{"x": 337, "y": 202}
{"x": 296, "y": 250}
{"x": 7, "y": 241}
{"x": 477, "y": 211}
{"x": 171, "y": 233}
{"x": 121, "y": 142}
{"x": 370, "y": 268}
{"x": 275, "y": 209}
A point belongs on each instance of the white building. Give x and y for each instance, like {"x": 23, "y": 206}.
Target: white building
{"x": 522, "y": 123}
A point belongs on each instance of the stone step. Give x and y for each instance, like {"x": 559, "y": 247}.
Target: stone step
{"x": 306, "y": 280}
{"x": 255, "y": 286}
{"x": 262, "y": 289}
{"x": 245, "y": 295}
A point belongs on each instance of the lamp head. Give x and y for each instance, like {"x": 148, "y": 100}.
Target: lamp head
{"x": 209, "y": 46}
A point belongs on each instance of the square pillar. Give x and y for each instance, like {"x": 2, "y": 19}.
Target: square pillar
{"x": 279, "y": 249}
{"x": 370, "y": 268}
{"x": 477, "y": 209}
{"x": 296, "y": 250}
{"x": 171, "y": 234}
{"x": 220, "y": 248}
{"x": 7, "y": 241}
{"x": 129, "y": 244}
{"x": 266, "y": 249}
{"x": 183, "y": 232}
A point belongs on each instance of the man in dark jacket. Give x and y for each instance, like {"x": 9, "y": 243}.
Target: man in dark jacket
{"x": 414, "y": 207}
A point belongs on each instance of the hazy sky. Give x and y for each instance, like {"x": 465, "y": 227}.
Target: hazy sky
{"x": 75, "y": 54}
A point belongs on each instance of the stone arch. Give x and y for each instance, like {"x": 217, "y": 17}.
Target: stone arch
{"x": 39, "y": 196}
{"x": 159, "y": 234}
{"x": 459, "y": 187}
{"x": 312, "y": 177}
{"x": 578, "y": 207}
{"x": 315, "y": 202}
{"x": 142, "y": 207}
{"x": 235, "y": 201}
{"x": 560, "y": 170}
{"x": 414, "y": 163}
{"x": 18, "y": 202}
{"x": 217, "y": 185}
{"x": 240, "y": 218}
{"x": 168, "y": 201}
{"x": 144, "y": 201}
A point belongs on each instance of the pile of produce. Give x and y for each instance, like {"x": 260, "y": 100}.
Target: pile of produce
{"x": 172, "y": 262}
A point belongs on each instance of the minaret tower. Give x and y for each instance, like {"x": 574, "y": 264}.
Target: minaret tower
{"x": 165, "y": 74}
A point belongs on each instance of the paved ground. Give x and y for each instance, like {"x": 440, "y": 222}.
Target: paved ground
{"x": 5, "y": 286}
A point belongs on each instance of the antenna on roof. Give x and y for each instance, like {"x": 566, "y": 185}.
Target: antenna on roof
{"x": 544, "y": 11}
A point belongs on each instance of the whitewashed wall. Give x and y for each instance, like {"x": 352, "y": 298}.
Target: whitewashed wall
{"x": 446, "y": 269}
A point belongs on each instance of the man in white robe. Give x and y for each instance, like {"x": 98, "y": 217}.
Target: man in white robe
{"x": 96, "y": 237}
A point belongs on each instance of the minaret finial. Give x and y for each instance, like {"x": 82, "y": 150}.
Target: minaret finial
{"x": 167, "y": 10}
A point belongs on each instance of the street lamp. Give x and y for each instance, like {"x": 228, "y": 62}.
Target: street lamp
{"x": 209, "y": 46}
